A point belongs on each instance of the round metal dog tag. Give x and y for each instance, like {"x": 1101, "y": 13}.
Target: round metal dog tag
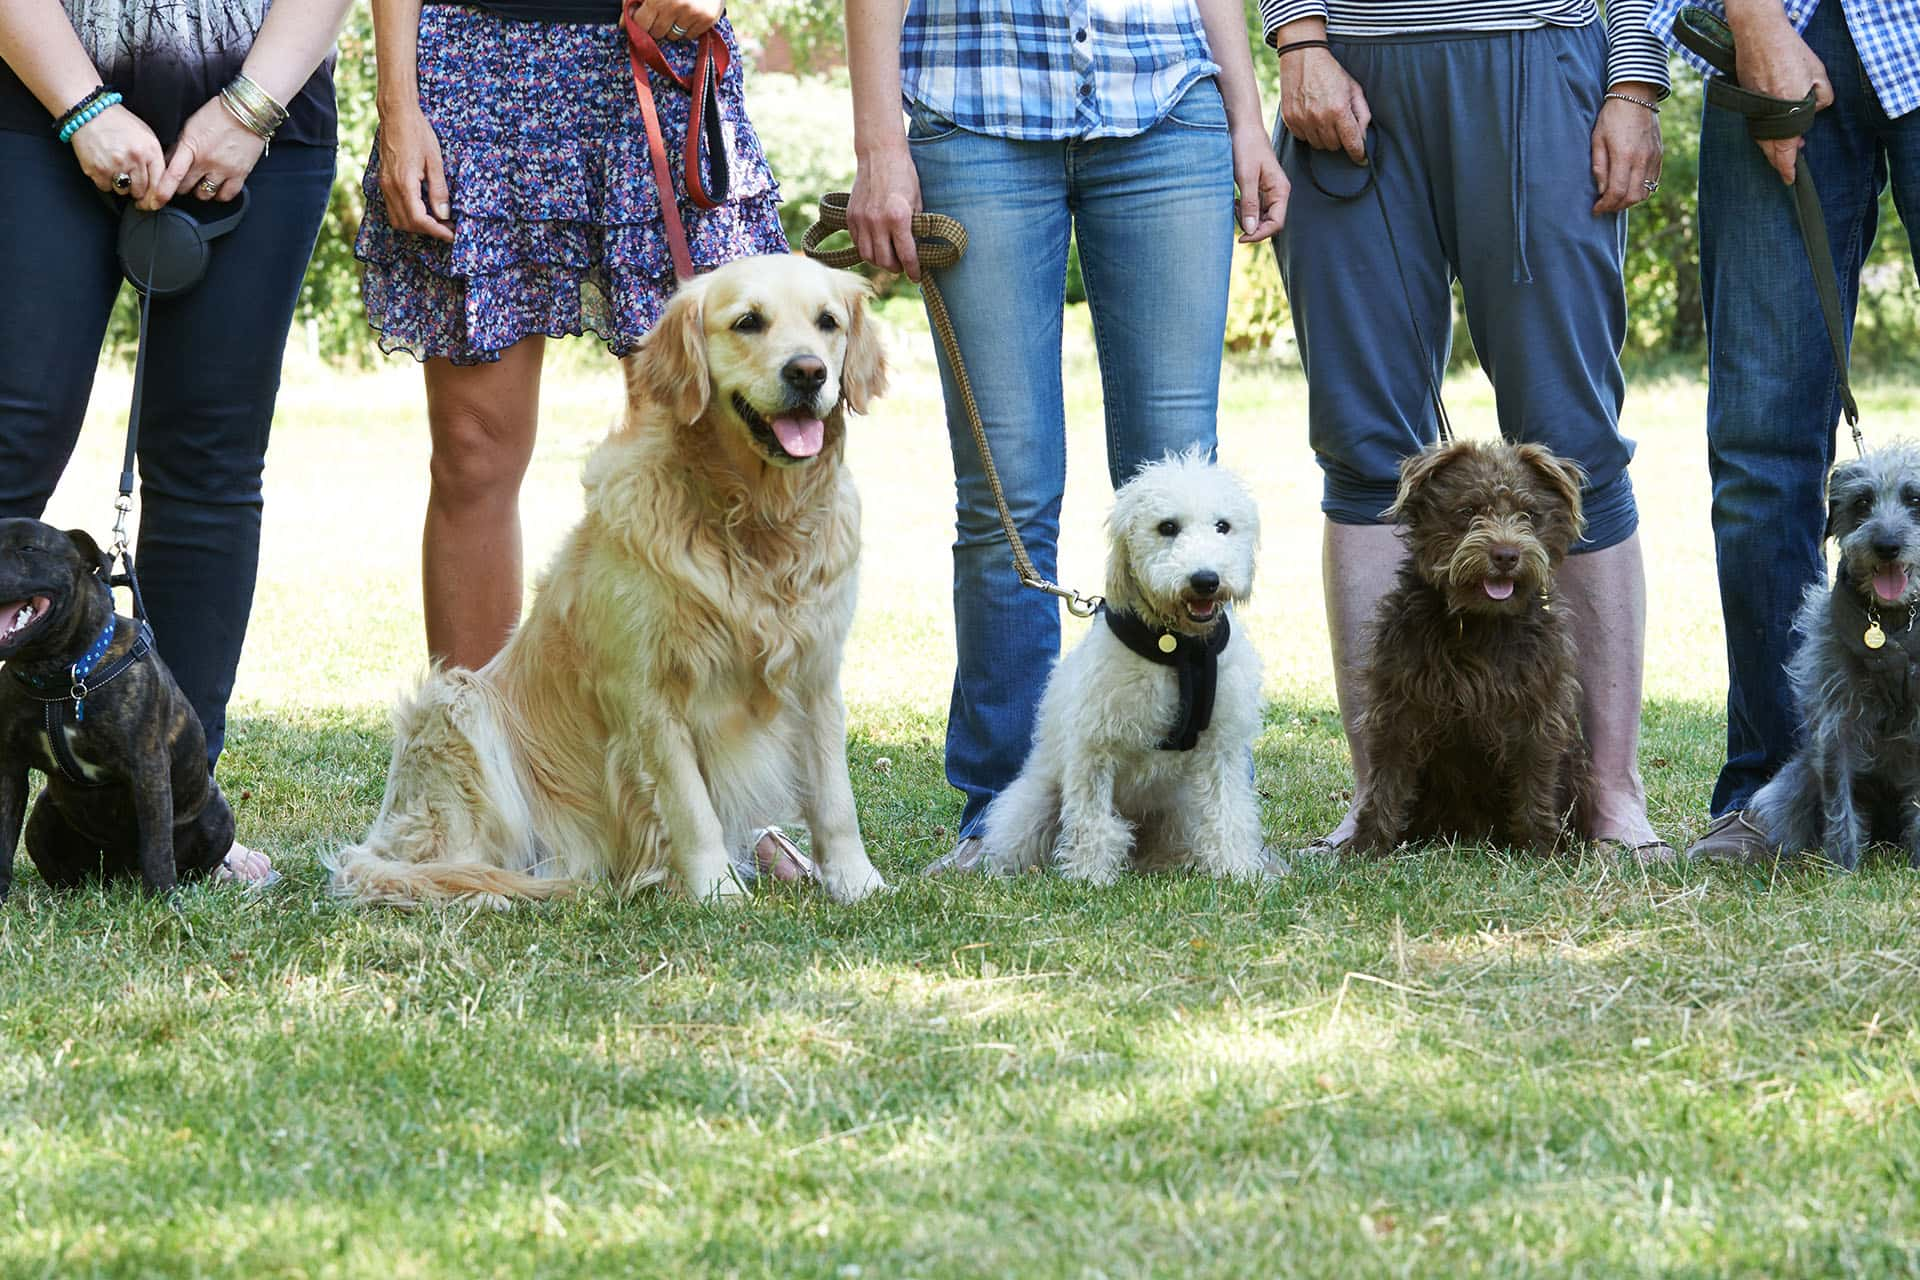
{"x": 1168, "y": 644}
{"x": 1874, "y": 637}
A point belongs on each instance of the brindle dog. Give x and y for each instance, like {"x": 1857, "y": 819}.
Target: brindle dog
{"x": 145, "y": 803}
{"x": 1472, "y": 724}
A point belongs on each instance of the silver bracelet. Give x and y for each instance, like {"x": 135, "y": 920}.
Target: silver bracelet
{"x": 1638, "y": 102}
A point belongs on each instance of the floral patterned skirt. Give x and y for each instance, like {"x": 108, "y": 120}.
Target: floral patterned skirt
{"x": 557, "y": 226}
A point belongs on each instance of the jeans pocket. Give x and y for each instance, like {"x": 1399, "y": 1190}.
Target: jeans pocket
{"x": 1200, "y": 107}
{"x": 927, "y": 125}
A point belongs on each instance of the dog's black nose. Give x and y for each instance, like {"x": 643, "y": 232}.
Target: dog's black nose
{"x": 1505, "y": 558}
{"x": 806, "y": 374}
{"x": 1887, "y": 550}
{"x": 1204, "y": 582}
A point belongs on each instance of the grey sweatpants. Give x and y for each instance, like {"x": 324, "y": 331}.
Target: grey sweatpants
{"x": 1482, "y": 153}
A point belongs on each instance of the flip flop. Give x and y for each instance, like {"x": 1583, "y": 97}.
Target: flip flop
{"x": 1648, "y": 853}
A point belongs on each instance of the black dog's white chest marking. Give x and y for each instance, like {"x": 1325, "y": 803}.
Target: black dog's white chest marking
{"x": 49, "y": 761}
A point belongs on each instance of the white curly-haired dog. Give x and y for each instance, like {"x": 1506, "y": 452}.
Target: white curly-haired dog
{"x": 1141, "y": 748}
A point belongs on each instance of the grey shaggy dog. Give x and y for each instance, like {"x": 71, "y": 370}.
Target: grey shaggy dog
{"x": 1856, "y": 675}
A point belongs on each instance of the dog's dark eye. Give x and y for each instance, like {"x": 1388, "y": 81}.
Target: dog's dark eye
{"x": 752, "y": 322}
{"x": 1468, "y": 513}
{"x": 1169, "y": 528}
{"x": 826, "y": 322}
{"x": 1222, "y": 526}
{"x": 1862, "y": 504}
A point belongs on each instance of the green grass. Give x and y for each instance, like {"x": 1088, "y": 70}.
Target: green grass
{"x": 1453, "y": 1063}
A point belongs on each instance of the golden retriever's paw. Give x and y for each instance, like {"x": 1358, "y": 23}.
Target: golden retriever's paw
{"x": 850, "y": 884}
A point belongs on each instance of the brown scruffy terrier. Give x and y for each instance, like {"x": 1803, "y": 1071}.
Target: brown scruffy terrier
{"x": 1472, "y": 722}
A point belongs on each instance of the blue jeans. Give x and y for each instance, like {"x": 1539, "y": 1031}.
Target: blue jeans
{"x": 1153, "y": 215}
{"x": 1772, "y": 397}
{"x": 213, "y": 371}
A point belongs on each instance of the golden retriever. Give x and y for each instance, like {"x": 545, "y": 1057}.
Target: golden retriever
{"x": 676, "y": 683}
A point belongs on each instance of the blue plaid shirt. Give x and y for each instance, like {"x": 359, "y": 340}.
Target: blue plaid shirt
{"x": 1040, "y": 70}
{"x": 1886, "y": 33}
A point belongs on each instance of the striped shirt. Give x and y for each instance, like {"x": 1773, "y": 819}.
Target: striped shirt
{"x": 1633, "y": 52}
{"x": 1040, "y": 70}
{"x": 1886, "y": 34}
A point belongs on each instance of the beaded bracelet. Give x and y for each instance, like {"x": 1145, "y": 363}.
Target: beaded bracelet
{"x": 84, "y": 114}
{"x": 1638, "y": 102}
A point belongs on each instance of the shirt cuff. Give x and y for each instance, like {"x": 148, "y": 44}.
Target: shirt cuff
{"x": 1275, "y": 14}
{"x": 1633, "y": 52}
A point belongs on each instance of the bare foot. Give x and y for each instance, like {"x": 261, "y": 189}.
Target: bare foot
{"x": 246, "y": 866}
{"x": 777, "y": 856}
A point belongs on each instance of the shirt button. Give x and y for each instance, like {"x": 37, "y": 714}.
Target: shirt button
{"x": 1086, "y": 91}
{"x": 1081, "y": 35}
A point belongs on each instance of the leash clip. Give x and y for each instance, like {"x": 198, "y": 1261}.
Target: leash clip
{"x": 122, "y": 507}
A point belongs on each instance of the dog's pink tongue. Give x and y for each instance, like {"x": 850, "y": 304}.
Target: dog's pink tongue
{"x": 1498, "y": 588}
{"x": 801, "y": 437}
{"x": 1890, "y": 582}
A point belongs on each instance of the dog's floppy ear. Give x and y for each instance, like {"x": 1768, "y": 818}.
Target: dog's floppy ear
{"x": 1563, "y": 476}
{"x": 863, "y": 377}
{"x": 97, "y": 560}
{"x": 1416, "y": 470}
{"x": 1123, "y": 588}
{"x": 1843, "y": 476}
{"x": 671, "y": 367}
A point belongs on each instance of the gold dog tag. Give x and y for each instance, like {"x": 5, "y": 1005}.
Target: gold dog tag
{"x": 1168, "y": 644}
{"x": 1874, "y": 637}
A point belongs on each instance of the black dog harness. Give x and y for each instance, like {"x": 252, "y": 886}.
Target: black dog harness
{"x": 84, "y": 677}
{"x": 1195, "y": 660}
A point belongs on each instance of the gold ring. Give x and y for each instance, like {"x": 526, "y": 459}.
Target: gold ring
{"x": 209, "y": 186}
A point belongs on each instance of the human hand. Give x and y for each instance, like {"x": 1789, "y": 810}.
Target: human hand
{"x": 410, "y": 158}
{"x": 115, "y": 142}
{"x": 210, "y": 160}
{"x": 1626, "y": 149}
{"x": 1322, "y": 105}
{"x": 886, "y": 195}
{"x": 676, "y": 19}
{"x": 1771, "y": 58}
{"x": 1262, "y": 183}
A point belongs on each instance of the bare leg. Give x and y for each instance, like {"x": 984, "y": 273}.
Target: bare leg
{"x": 1358, "y": 566}
{"x": 483, "y": 419}
{"x": 1606, "y": 595}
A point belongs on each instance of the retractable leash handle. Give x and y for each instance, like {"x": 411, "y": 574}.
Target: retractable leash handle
{"x": 941, "y": 242}
{"x": 1769, "y": 119}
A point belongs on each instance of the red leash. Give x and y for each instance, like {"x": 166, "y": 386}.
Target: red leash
{"x": 706, "y": 140}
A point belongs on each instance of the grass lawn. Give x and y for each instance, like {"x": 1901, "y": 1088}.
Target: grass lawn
{"x": 1456, "y": 1062}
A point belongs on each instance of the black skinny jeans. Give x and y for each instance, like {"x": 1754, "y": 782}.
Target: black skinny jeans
{"x": 213, "y": 370}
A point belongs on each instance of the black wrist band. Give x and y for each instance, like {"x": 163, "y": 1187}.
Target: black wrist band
{"x": 1288, "y": 48}
{"x": 99, "y": 91}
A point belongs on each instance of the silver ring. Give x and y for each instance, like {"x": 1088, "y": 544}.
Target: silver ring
{"x": 677, "y": 32}
{"x": 1651, "y": 184}
{"x": 122, "y": 181}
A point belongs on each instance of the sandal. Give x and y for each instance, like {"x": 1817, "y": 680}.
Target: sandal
{"x": 1648, "y": 853}
{"x": 783, "y": 863}
{"x": 227, "y": 873}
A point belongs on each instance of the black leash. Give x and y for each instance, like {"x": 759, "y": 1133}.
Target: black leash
{"x": 1421, "y": 346}
{"x": 1771, "y": 120}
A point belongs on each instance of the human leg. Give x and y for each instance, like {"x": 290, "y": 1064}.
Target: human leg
{"x": 1005, "y": 297}
{"x": 1772, "y": 394}
{"x": 1363, "y": 330}
{"x": 213, "y": 373}
{"x": 57, "y": 259}
{"x": 483, "y": 419}
{"x": 1153, "y": 215}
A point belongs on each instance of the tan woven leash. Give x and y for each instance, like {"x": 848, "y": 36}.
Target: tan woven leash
{"x": 942, "y": 241}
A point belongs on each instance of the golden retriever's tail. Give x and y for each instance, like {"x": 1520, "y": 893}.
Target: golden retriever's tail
{"x": 364, "y": 877}
{"x": 455, "y": 821}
